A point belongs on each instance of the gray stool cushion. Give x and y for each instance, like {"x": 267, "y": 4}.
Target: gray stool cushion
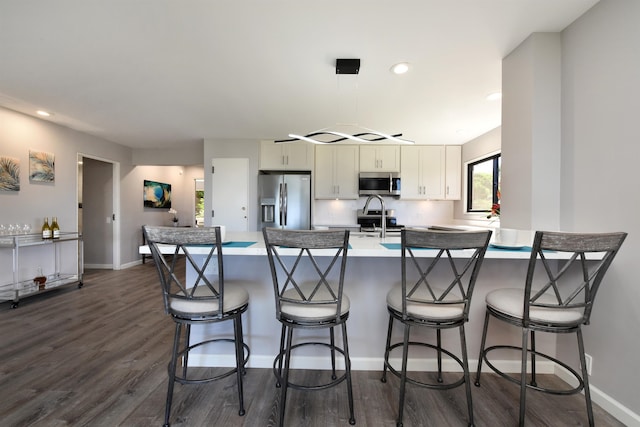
{"x": 427, "y": 309}
{"x": 309, "y": 312}
{"x": 234, "y": 298}
{"x": 511, "y": 302}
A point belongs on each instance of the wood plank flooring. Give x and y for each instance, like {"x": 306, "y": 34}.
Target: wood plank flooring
{"x": 97, "y": 356}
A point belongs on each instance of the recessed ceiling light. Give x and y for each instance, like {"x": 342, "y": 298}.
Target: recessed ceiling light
{"x": 494, "y": 96}
{"x": 43, "y": 113}
{"x": 400, "y": 68}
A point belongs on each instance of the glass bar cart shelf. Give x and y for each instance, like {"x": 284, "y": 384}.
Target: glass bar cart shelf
{"x": 18, "y": 286}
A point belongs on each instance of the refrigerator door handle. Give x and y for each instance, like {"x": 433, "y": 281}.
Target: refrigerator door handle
{"x": 286, "y": 202}
{"x": 280, "y": 204}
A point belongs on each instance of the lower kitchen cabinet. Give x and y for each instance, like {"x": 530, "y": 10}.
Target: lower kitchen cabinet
{"x": 336, "y": 172}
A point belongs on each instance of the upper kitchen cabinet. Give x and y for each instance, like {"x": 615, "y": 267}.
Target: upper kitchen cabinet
{"x": 453, "y": 172}
{"x": 423, "y": 172}
{"x": 379, "y": 158}
{"x": 336, "y": 172}
{"x": 431, "y": 172}
{"x": 286, "y": 156}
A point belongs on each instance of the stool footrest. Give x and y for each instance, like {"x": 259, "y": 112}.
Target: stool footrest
{"x": 515, "y": 380}
{"x": 335, "y": 381}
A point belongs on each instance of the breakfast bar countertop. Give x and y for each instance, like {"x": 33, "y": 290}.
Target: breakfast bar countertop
{"x": 360, "y": 245}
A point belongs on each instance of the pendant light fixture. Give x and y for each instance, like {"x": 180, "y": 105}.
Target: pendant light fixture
{"x": 360, "y": 134}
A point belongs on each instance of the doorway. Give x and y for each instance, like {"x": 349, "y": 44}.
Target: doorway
{"x": 99, "y": 211}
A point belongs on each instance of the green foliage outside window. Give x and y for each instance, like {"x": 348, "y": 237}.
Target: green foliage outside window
{"x": 483, "y": 185}
{"x": 199, "y": 207}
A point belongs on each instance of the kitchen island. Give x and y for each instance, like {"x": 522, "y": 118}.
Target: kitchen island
{"x": 373, "y": 268}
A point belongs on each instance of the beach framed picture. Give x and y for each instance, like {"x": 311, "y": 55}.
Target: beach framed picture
{"x": 41, "y": 166}
{"x": 9, "y": 174}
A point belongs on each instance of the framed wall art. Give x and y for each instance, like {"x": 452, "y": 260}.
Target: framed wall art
{"x": 9, "y": 174}
{"x": 41, "y": 166}
{"x": 156, "y": 195}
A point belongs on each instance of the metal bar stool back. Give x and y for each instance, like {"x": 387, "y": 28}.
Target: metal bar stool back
{"x": 190, "y": 268}
{"x": 439, "y": 272}
{"x": 308, "y": 270}
{"x": 557, "y": 297}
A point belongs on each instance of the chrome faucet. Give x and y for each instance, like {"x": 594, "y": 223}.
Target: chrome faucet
{"x": 383, "y": 221}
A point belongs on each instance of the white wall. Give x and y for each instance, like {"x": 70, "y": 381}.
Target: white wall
{"x": 19, "y": 133}
{"x": 530, "y": 197}
{"x": 600, "y": 152}
{"x": 482, "y": 146}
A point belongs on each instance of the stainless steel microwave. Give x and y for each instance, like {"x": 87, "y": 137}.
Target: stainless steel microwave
{"x": 381, "y": 183}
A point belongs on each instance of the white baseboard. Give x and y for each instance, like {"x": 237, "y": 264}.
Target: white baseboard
{"x": 99, "y": 266}
{"x": 606, "y": 402}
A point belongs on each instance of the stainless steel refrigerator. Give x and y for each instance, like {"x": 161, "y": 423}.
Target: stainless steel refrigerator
{"x": 285, "y": 200}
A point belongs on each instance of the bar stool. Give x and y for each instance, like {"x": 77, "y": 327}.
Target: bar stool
{"x": 435, "y": 292}
{"x": 557, "y": 298}
{"x": 308, "y": 267}
{"x": 194, "y": 293}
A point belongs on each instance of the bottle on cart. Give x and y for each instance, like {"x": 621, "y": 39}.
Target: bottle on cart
{"x": 46, "y": 229}
{"x": 55, "y": 229}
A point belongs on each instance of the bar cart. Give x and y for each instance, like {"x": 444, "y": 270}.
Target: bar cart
{"x": 53, "y": 258}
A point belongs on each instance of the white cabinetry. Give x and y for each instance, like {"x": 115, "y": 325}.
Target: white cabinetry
{"x": 286, "y": 156}
{"x": 453, "y": 172}
{"x": 379, "y": 158}
{"x": 423, "y": 172}
{"x": 336, "y": 172}
{"x": 59, "y": 261}
{"x": 431, "y": 172}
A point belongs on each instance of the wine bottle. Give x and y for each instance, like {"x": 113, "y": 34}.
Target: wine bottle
{"x": 46, "y": 230}
{"x": 55, "y": 229}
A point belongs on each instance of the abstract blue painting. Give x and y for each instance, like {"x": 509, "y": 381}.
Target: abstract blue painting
{"x": 157, "y": 195}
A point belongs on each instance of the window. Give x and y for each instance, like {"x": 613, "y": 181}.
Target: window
{"x": 199, "y": 202}
{"x": 483, "y": 184}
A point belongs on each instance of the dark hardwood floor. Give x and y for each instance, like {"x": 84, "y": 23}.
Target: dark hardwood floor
{"x": 97, "y": 356}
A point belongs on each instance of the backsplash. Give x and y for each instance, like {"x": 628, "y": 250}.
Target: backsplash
{"x": 408, "y": 213}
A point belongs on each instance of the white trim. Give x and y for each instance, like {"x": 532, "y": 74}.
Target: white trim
{"x": 99, "y": 266}
{"x": 606, "y": 402}
{"x": 116, "y": 241}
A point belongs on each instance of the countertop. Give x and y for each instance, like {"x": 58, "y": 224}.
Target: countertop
{"x": 360, "y": 245}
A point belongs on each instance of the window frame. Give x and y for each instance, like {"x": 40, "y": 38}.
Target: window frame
{"x": 497, "y": 160}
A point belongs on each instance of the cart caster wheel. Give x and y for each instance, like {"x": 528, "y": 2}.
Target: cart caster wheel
{"x": 14, "y": 305}
{"x": 80, "y": 285}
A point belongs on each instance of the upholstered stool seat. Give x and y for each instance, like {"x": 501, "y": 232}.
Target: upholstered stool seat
{"x": 509, "y": 303}
{"x": 422, "y": 306}
{"x": 300, "y": 311}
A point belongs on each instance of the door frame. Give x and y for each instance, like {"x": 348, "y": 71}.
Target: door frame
{"x": 115, "y": 179}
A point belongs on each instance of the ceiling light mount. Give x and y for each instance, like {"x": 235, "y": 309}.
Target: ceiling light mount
{"x": 347, "y": 66}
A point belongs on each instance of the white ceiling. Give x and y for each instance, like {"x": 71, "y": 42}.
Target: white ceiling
{"x": 165, "y": 73}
